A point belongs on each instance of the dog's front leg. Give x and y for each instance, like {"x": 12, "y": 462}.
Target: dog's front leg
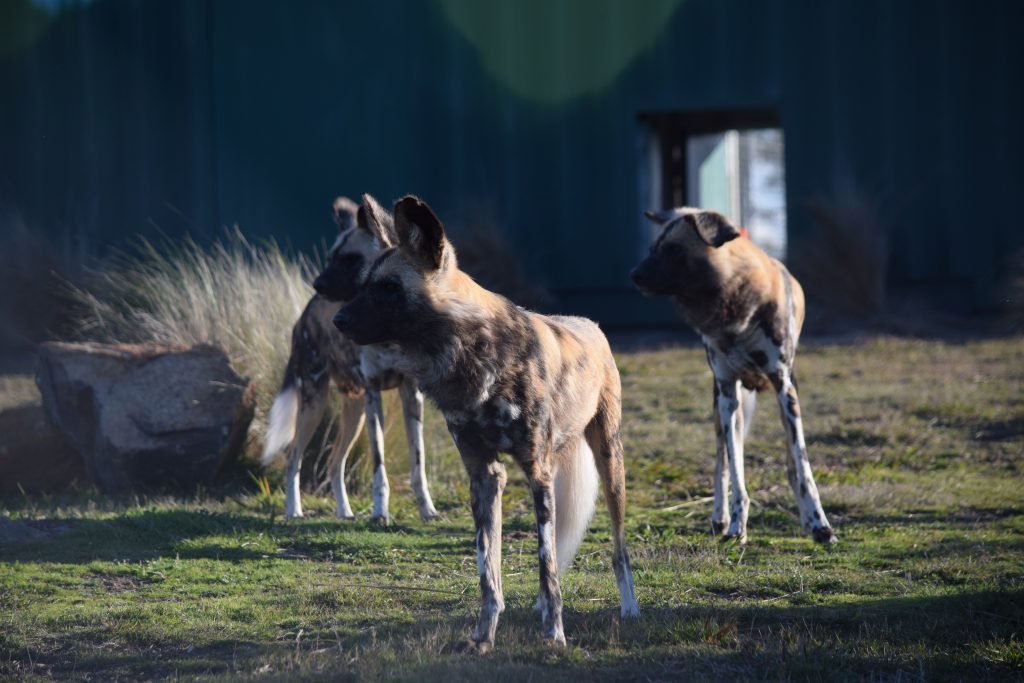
{"x": 486, "y": 483}
{"x": 798, "y": 466}
{"x": 375, "y": 430}
{"x": 730, "y": 421}
{"x": 542, "y": 487}
{"x": 412, "y": 411}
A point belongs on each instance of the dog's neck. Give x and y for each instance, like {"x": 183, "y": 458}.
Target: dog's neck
{"x": 474, "y": 338}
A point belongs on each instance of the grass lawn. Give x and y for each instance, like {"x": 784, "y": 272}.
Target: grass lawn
{"x": 917, "y": 448}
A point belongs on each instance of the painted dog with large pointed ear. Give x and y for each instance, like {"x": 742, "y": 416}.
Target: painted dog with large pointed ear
{"x": 748, "y": 310}
{"x": 320, "y": 354}
{"x": 543, "y": 389}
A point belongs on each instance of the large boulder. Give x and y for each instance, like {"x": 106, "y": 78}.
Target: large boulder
{"x": 146, "y": 416}
{"x": 34, "y": 456}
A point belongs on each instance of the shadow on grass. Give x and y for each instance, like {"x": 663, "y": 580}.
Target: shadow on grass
{"x": 961, "y": 517}
{"x": 926, "y": 637}
{"x": 162, "y": 533}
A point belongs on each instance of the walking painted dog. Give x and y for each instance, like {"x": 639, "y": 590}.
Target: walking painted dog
{"x": 321, "y": 354}
{"x": 543, "y": 389}
{"x": 749, "y": 310}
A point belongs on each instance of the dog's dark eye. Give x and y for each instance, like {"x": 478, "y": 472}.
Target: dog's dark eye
{"x": 389, "y": 286}
{"x": 673, "y": 248}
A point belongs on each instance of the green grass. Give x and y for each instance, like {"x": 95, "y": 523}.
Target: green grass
{"x": 917, "y": 448}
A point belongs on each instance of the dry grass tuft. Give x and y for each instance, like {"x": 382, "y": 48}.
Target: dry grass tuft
{"x": 240, "y": 296}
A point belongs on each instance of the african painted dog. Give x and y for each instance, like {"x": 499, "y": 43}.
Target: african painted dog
{"x": 320, "y": 354}
{"x": 748, "y": 310}
{"x": 543, "y": 389}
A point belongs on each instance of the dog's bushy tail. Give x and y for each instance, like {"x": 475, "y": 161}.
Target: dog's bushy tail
{"x": 281, "y": 424}
{"x": 748, "y": 404}
{"x": 575, "y": 498}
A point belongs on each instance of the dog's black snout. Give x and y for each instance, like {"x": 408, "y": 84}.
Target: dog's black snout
{"x": 635, "y": 276}
{"x": 319, "y": 284}
{"x": 341, "y": 320}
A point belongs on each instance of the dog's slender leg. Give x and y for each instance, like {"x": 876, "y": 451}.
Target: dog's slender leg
{"x": 602, "y": 435}
{"x": 375, "y": 429}
{"x": 730, "y": 421}
{"x": 486, "y": 483}
{"x": 720, "y": 512}
{"x": 542, "y": 486}
{"x": 311, "y": 412}
{"x": 412, "y": 410}
{"x": 798, "y": 466}
{"x": 348, "y": 432}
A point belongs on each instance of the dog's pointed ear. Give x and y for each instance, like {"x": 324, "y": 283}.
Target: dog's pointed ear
{"x": 377, "y": 221}
{"x": 420, "y": 232}
{"x": 661, "y": 217}
{"x": 712, "y": 227}
{"x": 345, "y": 211}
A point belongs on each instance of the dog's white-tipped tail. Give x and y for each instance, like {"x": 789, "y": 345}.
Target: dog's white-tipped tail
{"x": 748, "y": 404}
{"x": 575, "y": 498}
{"x": 281, "y": 425}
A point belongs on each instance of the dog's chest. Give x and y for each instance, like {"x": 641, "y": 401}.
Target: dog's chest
{"x": 498, "y": 423}
{"x": 379, "y": 365}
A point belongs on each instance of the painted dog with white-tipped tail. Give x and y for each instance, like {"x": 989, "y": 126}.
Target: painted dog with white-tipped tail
{"x": 543, "y": 389}
{"x": 321, "y": 354}
{"x": 748, "y": 310}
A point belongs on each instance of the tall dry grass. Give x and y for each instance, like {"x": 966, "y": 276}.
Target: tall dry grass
{"x": 235, "y": 294}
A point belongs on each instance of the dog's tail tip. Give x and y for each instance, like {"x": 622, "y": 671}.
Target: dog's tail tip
{"x": 281, "y": 424}
{"x": 576, "y": 488}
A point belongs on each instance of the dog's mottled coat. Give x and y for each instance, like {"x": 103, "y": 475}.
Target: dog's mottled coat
{"x": 749, "y": 311}
{"x": 544, "y": 389}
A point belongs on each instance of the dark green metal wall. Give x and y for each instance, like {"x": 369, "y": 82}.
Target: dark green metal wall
{"x": 127, "y": 116}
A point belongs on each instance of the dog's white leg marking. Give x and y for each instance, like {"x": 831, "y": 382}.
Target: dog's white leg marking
{"x": 730, "y": 419}
{"x": 798, "y": 466}
{"x": 375, "y": 430}
{"x": 348, "y": 432}
{"x": 486, "y": 483}
{"x": 412, "y": 411}
{"x": 720, "y": 512}
{"x": 293, "y": 493}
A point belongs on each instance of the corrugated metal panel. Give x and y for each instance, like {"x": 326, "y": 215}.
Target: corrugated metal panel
{"x": 197, "y": 113}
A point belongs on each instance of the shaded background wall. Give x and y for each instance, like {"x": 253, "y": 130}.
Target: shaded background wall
{"x": 122, "y": 117}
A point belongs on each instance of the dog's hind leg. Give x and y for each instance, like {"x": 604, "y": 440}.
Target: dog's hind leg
{"x": 350, "y": 424}
{"x": 720, "y": 511}
{"x": 798, "y": 466}
{"x": 375, "y": 430}
{"x": 311, "y": 412}
{"x": 730, "y": 423}
{"x": 602, "y": 435}
{"x": 412, "y": 411}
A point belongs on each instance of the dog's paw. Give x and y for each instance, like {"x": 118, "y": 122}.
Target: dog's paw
{"x": 718, "y": 528}
{"x": 556, "y": 642}
{"x": 429, "y": 515}
{"x": 735, "y": 537}
{"x": 472, "y": 647}
{"x": 824, "y": 535}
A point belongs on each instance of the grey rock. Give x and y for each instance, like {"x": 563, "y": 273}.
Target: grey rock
{"x": 146, "y": 416}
